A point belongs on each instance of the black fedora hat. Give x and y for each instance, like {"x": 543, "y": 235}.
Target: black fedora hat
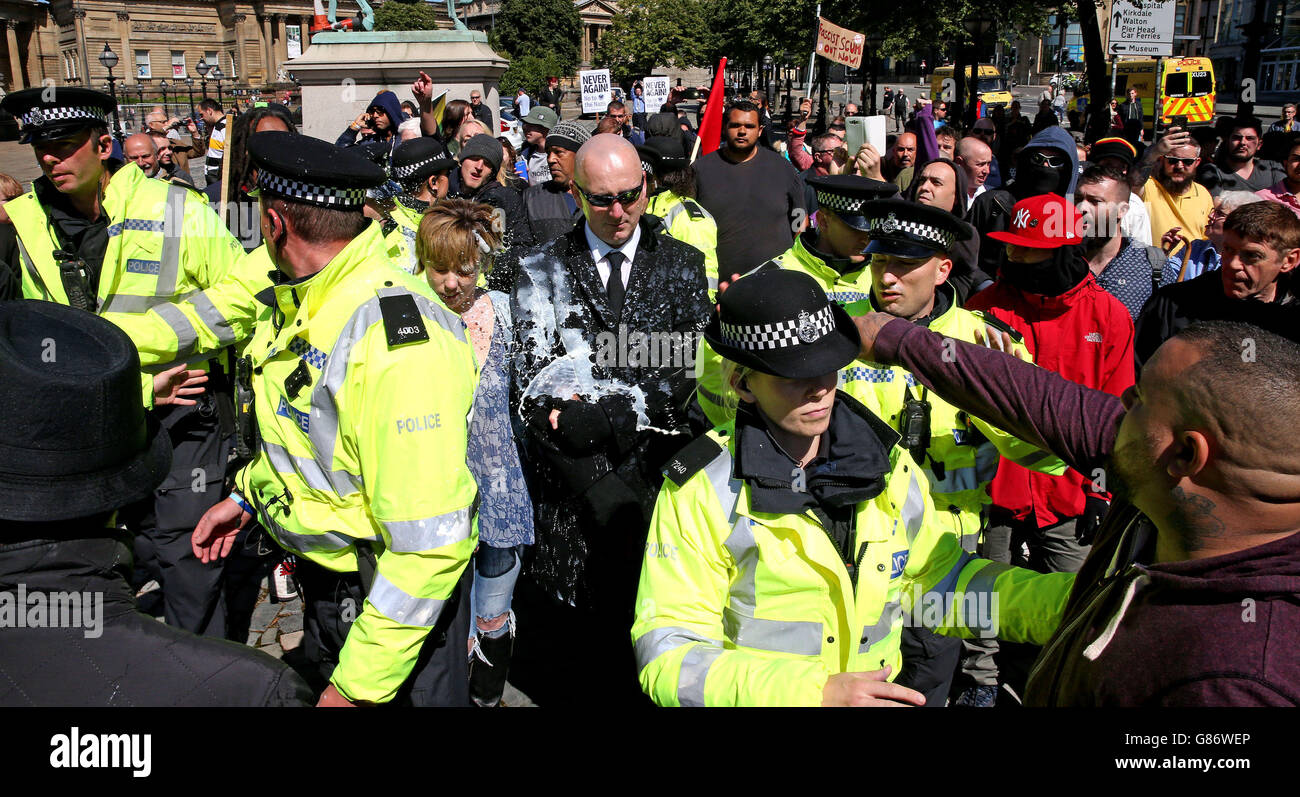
{"x": 780, "y": 322}
{"x": 75, "y": 441}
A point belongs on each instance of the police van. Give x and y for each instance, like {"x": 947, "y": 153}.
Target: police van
{"x": 1185, "y": 87}
{"x": 990, "y": 83}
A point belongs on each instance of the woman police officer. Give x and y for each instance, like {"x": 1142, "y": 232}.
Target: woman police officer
{"x": 786, "y": 549}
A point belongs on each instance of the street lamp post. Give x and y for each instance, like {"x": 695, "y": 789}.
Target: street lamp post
{"x": 788, "y": 68}
{"x": 976, "y": 25}
{"x": 162, "y": 84}
{"x": 202, "y": 68}
{"x": 874, "y": 41}
{"x": 767, "y": 79}
{"x": 189, "y": 84}
{"x": 218, "y": 76}
{"x": 109, "y": 59}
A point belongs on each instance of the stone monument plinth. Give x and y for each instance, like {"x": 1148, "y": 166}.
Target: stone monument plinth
{"x": 341, "y": 72}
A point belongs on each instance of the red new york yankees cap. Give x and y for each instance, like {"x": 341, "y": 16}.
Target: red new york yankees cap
{"x": 1045, "y": 221}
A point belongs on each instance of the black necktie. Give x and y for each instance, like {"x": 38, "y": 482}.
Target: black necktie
{"x": 614, "y": 289}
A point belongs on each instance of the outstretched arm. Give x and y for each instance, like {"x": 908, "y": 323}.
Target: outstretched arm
{"x": 1076, "y": 423}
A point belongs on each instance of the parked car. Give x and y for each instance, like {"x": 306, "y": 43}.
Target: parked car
{"x": 511, "y": 128}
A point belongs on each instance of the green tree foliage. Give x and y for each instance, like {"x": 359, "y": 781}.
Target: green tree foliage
{"x": 406, "y": 15}
{"x": 530, "y": 73}
{"x": 539, "y": 28}
{"x": 651, "y": 33}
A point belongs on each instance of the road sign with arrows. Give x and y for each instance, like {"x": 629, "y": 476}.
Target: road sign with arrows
{"x": 1145, "y": 29}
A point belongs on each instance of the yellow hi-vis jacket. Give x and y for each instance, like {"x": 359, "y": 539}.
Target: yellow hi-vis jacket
{"x": 737, "y": 607}
{"x": 963, "y": 454}
{"x": 688, "y": 221}
{"x": 854, "y": 286}
{"x": 401, "y": 241}
{"x": 364, "y": 383}
{"x": 164, "y": 243}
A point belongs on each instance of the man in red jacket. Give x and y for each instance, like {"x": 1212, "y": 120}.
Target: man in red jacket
{"x": 1072, "y": 326}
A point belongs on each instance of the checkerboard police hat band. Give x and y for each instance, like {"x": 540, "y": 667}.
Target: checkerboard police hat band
{"x": 780, "y": 322}
{"x": 323, "y": 195}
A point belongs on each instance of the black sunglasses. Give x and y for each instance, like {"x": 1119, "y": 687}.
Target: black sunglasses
{"x": 605, "y": 200}
{"x": 1180, "y": 161}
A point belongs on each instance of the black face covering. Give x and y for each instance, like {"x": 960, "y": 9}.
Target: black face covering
{"x": 1035, "y": 180}
{"x": 1052, "y": 277}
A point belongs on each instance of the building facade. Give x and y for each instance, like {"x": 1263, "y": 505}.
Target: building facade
{"x": 596, "y": 17}
{"x": 58, "y": 42}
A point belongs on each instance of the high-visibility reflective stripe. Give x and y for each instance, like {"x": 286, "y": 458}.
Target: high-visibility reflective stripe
{"x": 980, "y": 593}
{"x": 986, "y": 461}
{"x": 802, "y": 638}
{"x": 710, "y": 396}
{"x": 395, "y": 604}
{"x": 713, "y": 282}
{"x": 123, "y": 303}
{"x": 874, "y": 633}
{"x": 658, "y": 641}
{"x": 324, "y": 407}
{"x": 946, "y": 587}
{"x": 213, "y": 318}
{"x": 954, "y": 480}
{"x": 325, "y": 541}
{"x": 695, "y": 669}
{"x": 672, "y": 214}
{"x": 169, "y": 262}
{"x": 31, "y": 269}
{"x": 913, "y": 509}
{"x": 426, "y": 534}
{"x": 339, "y": 482}
{"x": 186, "y": 337}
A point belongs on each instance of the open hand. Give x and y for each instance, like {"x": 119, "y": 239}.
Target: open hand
{"x": 215, "y": 534}
{"x": 173, "y": 385}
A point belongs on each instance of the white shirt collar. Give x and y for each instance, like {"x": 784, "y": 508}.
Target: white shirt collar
{"x": 600, "y": 249}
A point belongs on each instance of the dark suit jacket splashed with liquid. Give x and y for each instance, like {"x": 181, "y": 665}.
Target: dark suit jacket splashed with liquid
{"x": 594, "y": 497}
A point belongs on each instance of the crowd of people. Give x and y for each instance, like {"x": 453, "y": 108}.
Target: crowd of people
{"x": 632, "y": 417}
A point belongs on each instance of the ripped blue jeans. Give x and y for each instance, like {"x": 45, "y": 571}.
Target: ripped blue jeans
{"x": 495, "y": 572}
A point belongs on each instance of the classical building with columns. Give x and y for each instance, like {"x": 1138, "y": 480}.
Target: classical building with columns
{"x": 58, "y": 42}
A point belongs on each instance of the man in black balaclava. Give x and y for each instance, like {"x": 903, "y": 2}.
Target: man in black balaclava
{"x": 1049, "y": 164}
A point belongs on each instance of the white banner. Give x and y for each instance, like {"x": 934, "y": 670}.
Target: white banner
{"x": 595, "y": 90}
{"x": 655, "y": 91}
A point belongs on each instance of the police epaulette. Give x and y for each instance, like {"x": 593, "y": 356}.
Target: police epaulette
{"x": 694, "y": 456}
{"x": 695, "y": 211}
{"x": 999, "y": 324}
{"x": 387, "y": 225}
{"x": 402, "y": 320}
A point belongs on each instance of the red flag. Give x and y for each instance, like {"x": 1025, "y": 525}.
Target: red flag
{"x": 711, "y": 128}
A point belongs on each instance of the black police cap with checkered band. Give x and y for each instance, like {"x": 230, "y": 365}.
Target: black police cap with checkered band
{"x": 50, "y": 113}
{"x": 846, "y": 194}
{"x": 781, "y": 322}
{"x": 421, "y": 158}
{"x": 911, "y": 230}
{"x": 309, "y": 170}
